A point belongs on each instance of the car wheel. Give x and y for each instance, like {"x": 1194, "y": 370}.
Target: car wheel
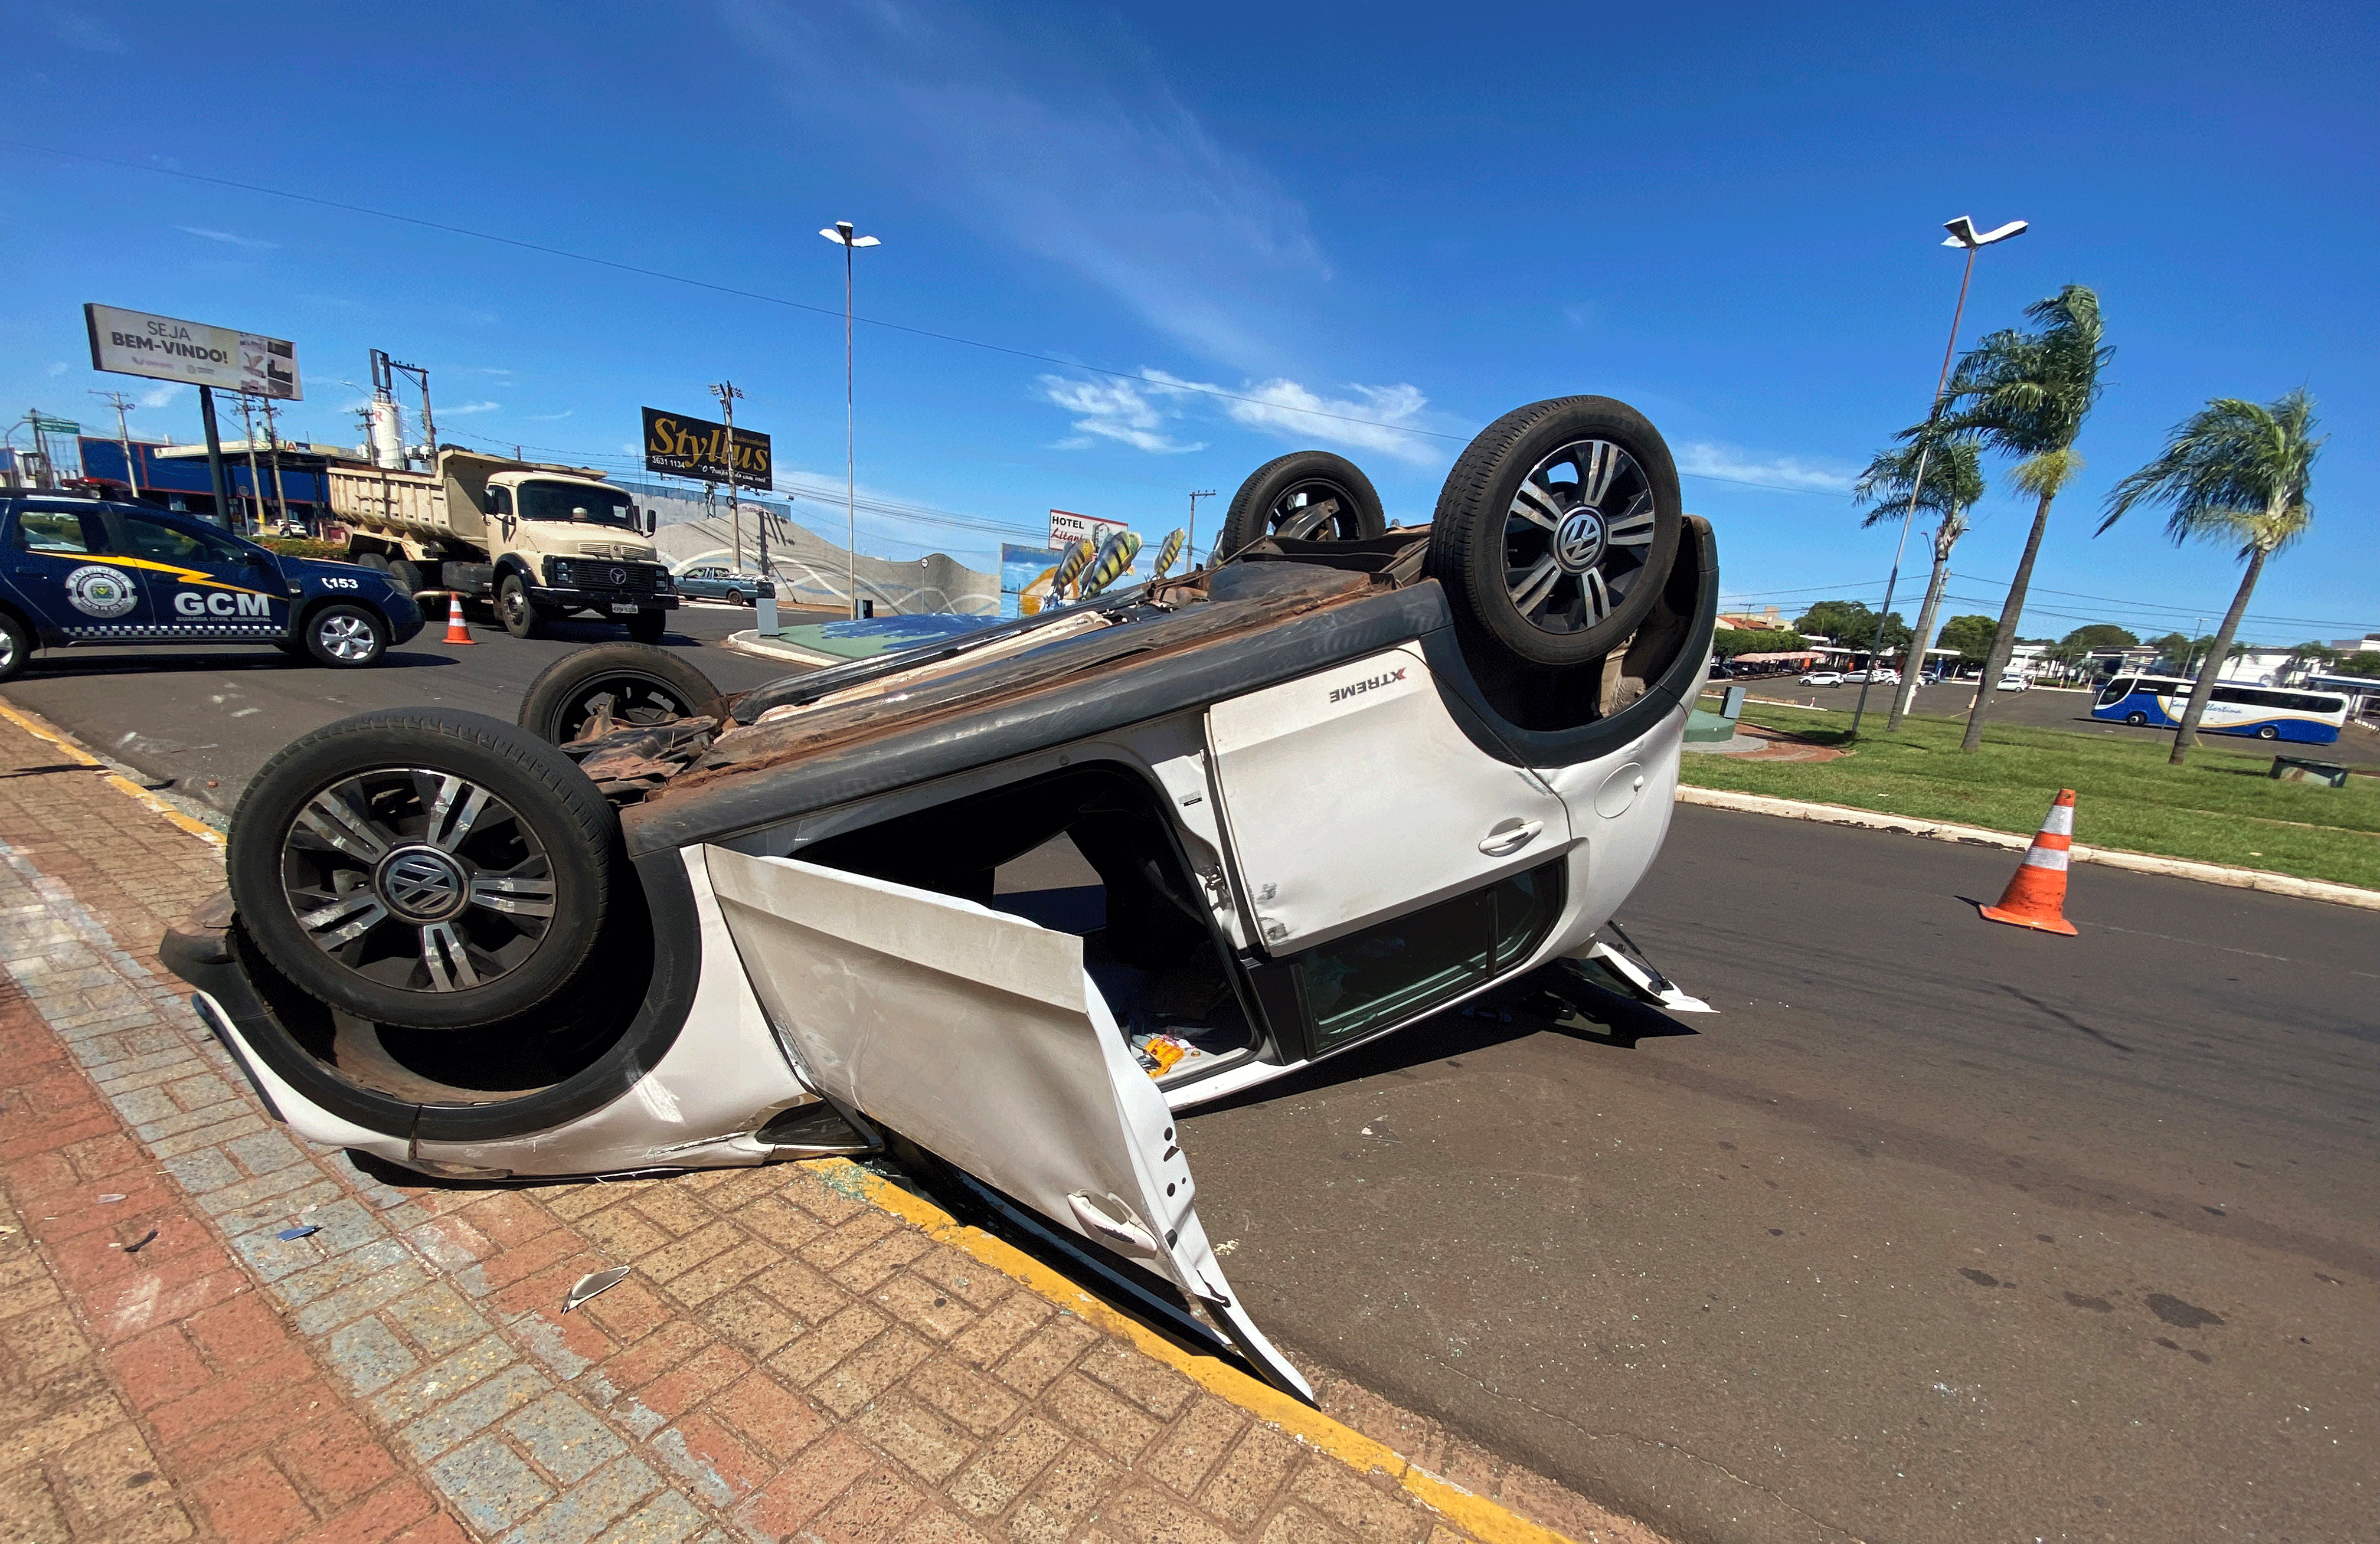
{"x": 424, "y": 868}
{"x": 15, "y": 647}
{"x": 2269, "y": 732}
{"x": 2136, "y": 720}
{"x": 1307, "y": 495}
{"x": 407, "y": 576}
{"x": 734, "y": 597}
{"x": 376, "y": 561}
{"x": 639, "y": 683}
{"x": 345, "y": 636}
{"x": 515, "y": 610}
{"x": 1557, "y": 529}
{"x": 647, "y": 627}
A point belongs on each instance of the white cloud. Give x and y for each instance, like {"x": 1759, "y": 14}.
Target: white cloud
{"x": 250, "y": 243}
{"x": 1116, "y": 410}
{"x": 1068, "y": 143}
{"x": 1373, "y": 418}
{"x": 57, "y": 368}
{"x": 550, "y": 418}
{"x": 1705, "y": 458}
{"x": 467, "y": 408}
{"x": 158, "y": 395}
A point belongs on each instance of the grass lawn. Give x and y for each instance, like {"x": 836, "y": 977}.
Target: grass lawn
{"x": 2220, "y": 808}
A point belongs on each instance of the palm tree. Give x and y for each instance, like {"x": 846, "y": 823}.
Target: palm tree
{"x": 2027, "y": 394}
{"x": 1953, "y": 481}
{"x": 2233, "y": 471}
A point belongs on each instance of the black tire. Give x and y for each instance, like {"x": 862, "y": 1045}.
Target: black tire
{"x": 1284, "y": 497}
{"x": 1588, "y": 570}
{"x": 344, "y": 637}
{"x": 15, "y": 647}
{"x": 515, "y": 610}
{"x": 2136, "y": 720}
{"x": 734, "y": 597}
{"x": 645, "y": 685}
{"x": 647, "y": 627}
{"x": 2269, "y": 732}
{"x": 407, "y": 576}
{"x": 446, "y": 928}
{"x": 378, "y": 561}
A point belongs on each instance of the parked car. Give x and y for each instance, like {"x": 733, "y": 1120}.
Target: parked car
{"x": 2012, "y": 681}
{"x": 1008, "y": 900}
{"x": 84, "y": 571}
{"x": 1823, "y": 678}
{"x": 720, "y": 583}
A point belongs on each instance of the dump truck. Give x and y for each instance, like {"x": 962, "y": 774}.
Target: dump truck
{"x": 536, "y": 541}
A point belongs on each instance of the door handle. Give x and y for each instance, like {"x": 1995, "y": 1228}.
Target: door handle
{"x": 1510, "y": 836}
{"x": 30, "y": 573}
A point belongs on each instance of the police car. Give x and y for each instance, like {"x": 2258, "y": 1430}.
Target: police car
{"x": 82, "y": 572}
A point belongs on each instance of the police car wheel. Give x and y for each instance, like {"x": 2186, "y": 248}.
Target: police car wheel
{"x": 1557, "y": 529}
{"x": 423, "y": 867}
{"x": 15, "y": 647}
{"x": 637, "y": 683}
{"x": 1307, "y": 495}
{"x": 345, "y": 636}
{"x": 515, "y": 610}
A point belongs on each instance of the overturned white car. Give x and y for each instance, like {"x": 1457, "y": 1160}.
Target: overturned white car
{"x": 1014, "y": 898}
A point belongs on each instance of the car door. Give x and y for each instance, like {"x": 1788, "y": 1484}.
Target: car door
{"x": 59, "y": 561}
{"x": 1351, "y": 795}
{"x": 199, "y": 583}
{"x": 979, "y": 1036}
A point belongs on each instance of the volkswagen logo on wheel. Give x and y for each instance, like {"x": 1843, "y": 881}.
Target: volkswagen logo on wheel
{"x": 1578, "y": 541}
{"x": 421, "y": 883}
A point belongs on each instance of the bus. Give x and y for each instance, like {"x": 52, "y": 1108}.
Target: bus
{"x": 2236, "y": 707}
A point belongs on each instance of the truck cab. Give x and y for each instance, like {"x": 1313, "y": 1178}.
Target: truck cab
{"x": 563, "y": 545}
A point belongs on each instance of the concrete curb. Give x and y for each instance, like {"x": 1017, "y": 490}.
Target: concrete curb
{"x": 1943, "y": 830}
{"x": 749, "y": 642}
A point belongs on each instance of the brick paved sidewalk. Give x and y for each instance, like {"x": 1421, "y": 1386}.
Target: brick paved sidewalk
{"x": 787, "y": 1360}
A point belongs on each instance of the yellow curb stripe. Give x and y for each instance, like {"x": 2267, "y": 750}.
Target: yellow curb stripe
{"x": 42, "y": 729}
{"x": 1483, "y": 1519}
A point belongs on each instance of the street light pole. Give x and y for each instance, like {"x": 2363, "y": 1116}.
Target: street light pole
{"x": 1190, "y": 537}
{"x": 841, "y": 233}
{"x": 1963, "y": 234}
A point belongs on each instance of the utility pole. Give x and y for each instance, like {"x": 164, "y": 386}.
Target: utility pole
{"x": 726, "y": 391}
{"x": 273, "y": 453}
{"x": 841, "y": 233}
{"x": 118, "y": 401}
{"x": 1190, "y": 539}
{"x": 255, "y": 477}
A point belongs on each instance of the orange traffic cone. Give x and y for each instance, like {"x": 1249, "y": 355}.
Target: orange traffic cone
{"x": 2035, "y": 896}
{"x": 456, "y": 631}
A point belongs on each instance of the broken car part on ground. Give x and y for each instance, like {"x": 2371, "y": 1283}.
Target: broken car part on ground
{"x": 1014, "y": 898}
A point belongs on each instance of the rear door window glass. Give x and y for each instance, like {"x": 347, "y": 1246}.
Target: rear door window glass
{"x": 61, "y": 532}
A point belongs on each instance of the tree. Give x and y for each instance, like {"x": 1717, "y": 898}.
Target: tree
{"x": 1973, "y": 637}
{"x": 1836, "y": 620}
{"x": 2100, "y": 635}
{"x": 1944, "y": 476}
{"x": 1727, "y": 642}
{"x": 2027, "y": 395}
{"x": 2233, "y": 471}
{"x": 2312, "y": 656}
{"x": 2364, "y": 662}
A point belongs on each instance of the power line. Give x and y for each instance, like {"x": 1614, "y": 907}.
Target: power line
{"x": 667, "y": 277}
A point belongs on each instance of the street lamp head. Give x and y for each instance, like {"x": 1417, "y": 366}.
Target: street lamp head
{"x": 841, "y": 234}
{"x": 1964, "y": 234}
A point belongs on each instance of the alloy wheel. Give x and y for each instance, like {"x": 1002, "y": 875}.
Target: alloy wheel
{"x": 1317, "y": 510}
{"x": 345, "y": 636}
{"x": 417, "y": 879}
{"x": 1578, "y": 536}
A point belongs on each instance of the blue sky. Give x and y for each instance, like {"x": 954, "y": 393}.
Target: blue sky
{"x": 1417, "y": 216}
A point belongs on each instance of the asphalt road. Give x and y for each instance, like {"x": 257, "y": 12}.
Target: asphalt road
{"x": 207, "y": 718}
{"x": 1940, "y": 1230}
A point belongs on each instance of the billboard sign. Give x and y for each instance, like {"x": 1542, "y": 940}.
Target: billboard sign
{"x": 135, "y": 343}
{"x": 1067, "y": 527}
{"x": 681, "y": 446}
